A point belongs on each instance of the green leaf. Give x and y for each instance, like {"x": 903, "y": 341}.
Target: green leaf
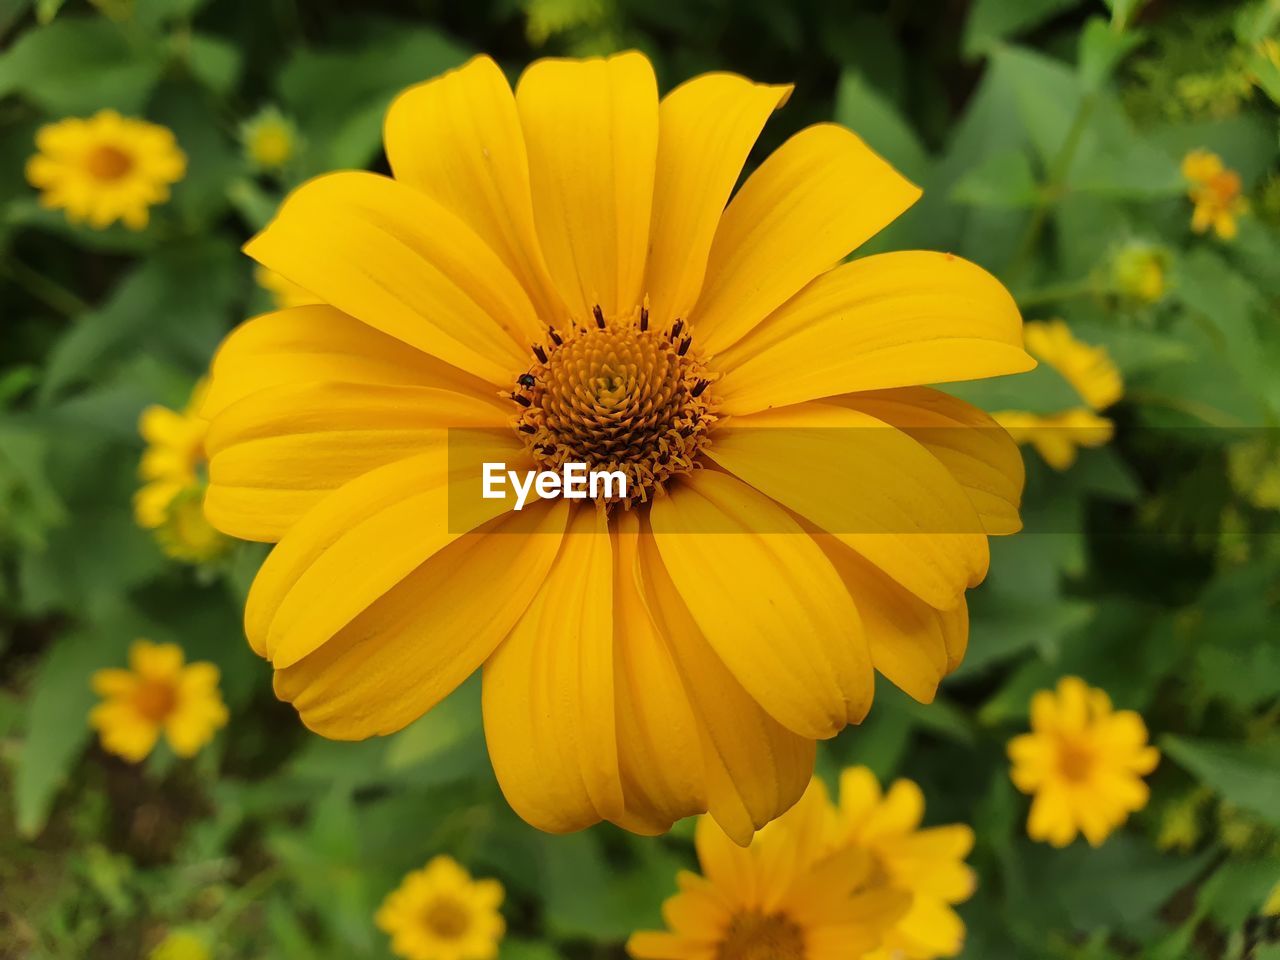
{"x": 993, "y": 20}
{"x": 1102, "y": 48}
{"x": 866, "y": 112}
{"x": 1247, "y": 774}
{"x": 1004, "y": 179}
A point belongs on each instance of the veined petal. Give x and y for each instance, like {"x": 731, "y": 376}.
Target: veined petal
{"x": 279, "y": 451}
{"x": 411, "y": 647}
{"x": 767, "y": 600}
{"x": 756, "y": 768}
{"x": 706, "y": 128}
{"x": 890, "y": 320}
{"x": 457, "y": 138}
{"x": 976, "y": 450}
{"x": 869, "y": 485}
{"x": 317, "y": 342}
{"x": 820, "y": 195}
{"x": 399, "y": 261}
{"x": 591, "y": 127}
{"x": 549, "y": 713}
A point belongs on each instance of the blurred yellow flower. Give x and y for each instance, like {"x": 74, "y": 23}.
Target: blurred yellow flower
{"x": 270, "y": 139}
{"x": 925, "y": 864}
{"x": 1216, "y": 193}
{"x": 284, "y": 292}
{"x": 1138, "y": 272}
{"x": 157, "y": 694}
{"x": 1057, "y": 437}
{"x": 1086, "y": 367}
{"x": 1271, "y": 907}
{"x": 181, "y": 945}
{"x": 1084, "y": 763}
{"x": 440, "y": 913}
{"x": 105, "y": 168}
{"x": 171, "y": 500}
{"x": 792, "y": 895}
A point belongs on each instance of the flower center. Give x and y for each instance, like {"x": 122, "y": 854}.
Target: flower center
{"x": 446, "y": 918}
{"x": 755, "y": 936}
{"x": 108, "y": 163}
{"x": 618, "y": 395}
{"x": 1075, "y": 760}
{"x": 155, "y": 699}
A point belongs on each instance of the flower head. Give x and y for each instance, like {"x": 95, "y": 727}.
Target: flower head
{"x": 170, "y": 501}
{"x": 157, "y": 694}
{"x": 181, "y": 945}
{"x": 1216, "y": 193}
{"x": 554, "y": 276}
{"x": 1089, "y": 369}
{"x": 105, "y": 168}
{"x": 1057, "y": 437}
{"x": 925, "y": 864}
{"x": 1084, "y": 763}
{"x": 1139, "y": 272}
{"x": 270, "y": 139}
{"x": 440, "y": 913}
{"x": 791, "y": 895}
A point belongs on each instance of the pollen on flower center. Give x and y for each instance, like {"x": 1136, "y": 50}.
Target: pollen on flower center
{"x": 617, "y": 394}
{"x": 757, "y": 936}
{"x": 446, "y": 919}
{"x": 106, "y": 162}
{"x": 1075, "y": 760}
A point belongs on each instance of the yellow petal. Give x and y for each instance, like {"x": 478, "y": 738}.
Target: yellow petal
{"x": 399, "y": 261}
{"x": 756, "y": 768}
{"x": 869, "y": 485}
{"x": 457, "y": 139}
{"x": 278, "y": 452}
{"x": 820, "y": 195}
{"x": 706, "y": 128}
{"x": 751, "y": 578}
{"x": 548, "y": 691}
{"x": 891, "y": 320}
{"x": 416, "y": 643}
{"x": 591, "y": 127}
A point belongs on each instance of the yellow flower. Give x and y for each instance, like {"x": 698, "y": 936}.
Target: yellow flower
{"x": 270, "y": 139}
{"x": 926, "y": 865}
{"x": 440, "y": 913}
{"x": 1083, "y": 761}
{"x": 1271, "y": 908}
{"x": 181, "y": 945}
{"x": 171, "y": 499}
{"x": 105, "y": 168}
{"x": 1057, "y": 437}
{"x": 791, "y": 895}
{"x": 1138, "y": 272}
{"x": 284, "y": 292}
{"x": 1087, "y": 368}
{"x": 553, "y": 277}
{"x": 1216, "y": 193}
{"x": 157, "y": 694}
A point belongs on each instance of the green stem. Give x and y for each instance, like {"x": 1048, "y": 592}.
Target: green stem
{"x": 1071, "y": 290}
{"x": 47, "y": 291}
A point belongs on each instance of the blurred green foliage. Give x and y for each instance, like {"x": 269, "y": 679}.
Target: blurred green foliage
{"x": 1047, "y": 135}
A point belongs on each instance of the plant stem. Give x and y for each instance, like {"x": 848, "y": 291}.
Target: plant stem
{"x": 47, "y": 291}
{"x": 1059, "y": 291}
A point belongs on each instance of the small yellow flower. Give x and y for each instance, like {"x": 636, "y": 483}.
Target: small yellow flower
{"x": 1083, "y": 761}
{"x": 1087, "y": 368}
{"x": 1138, "y": 272}
{"x": 270, "y": 139}
{"x": 1057, "y": 437}
{"x": 1271, "y": 908}
{"x": 283, "y": 291}
{"x": 926, "y": 865}
{"x": 170, "y": 501}
{"x": 794, "y": 894}
{"x": 105, "y": 168}
{"x": 158, "y": 693}
{"x": 1216, "y": 193}
{"x": 440, "y": 913}
{"x": 181, "y": 945}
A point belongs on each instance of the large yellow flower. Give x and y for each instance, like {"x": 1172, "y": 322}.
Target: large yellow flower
{"x": 440, "y": 913}
{"x": 926, "y": 865}
{"x": 1083, "y": 761}
{"x": 553, "y": 277}
{"x": 157, "y": 694}
{"x": 791, "y": 895}
{"x": 105, "y": 168}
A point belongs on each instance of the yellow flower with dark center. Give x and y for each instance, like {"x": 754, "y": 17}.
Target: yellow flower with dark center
{"x": 1215, "y": 192}
{"x": 791, "y": 895}
{"x": 551, "y": 277}
{"x": 1084, "y": 763}
{"x": 171, "y": 499}
{"x": 270, "y": 139}
{"x": 440, "y": 913}
{"x": 925, "y": 864}
{"x": 105, "y": 168}
{"x": 157, "y": 694}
